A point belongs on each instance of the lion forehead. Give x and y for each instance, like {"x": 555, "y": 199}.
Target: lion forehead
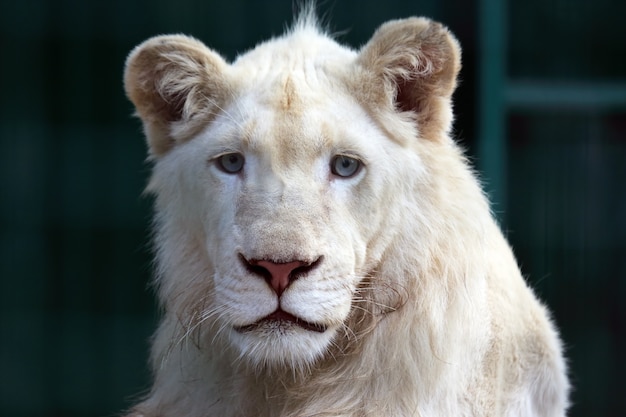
{"x": 289, "y": 121}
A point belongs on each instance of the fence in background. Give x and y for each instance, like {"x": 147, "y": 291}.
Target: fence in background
{"x": 75, "y": 312}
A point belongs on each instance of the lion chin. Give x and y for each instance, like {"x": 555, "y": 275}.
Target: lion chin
{"x": 281, "y": 340}
{"x": 322, "y": 246}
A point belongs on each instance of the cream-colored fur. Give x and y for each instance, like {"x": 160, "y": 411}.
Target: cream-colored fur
{"x": 421, "y": 307}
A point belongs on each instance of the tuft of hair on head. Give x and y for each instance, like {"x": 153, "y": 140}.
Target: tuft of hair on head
{"x": 306, "y": 18}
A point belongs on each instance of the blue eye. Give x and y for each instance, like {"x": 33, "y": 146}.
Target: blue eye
{"x": 345, "y": 166}
{"x": 231, "y": 163}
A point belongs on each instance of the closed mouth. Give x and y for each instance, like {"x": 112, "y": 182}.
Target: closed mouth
{"x": 282, "y": 319}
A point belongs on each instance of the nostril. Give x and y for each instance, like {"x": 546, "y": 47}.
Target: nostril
{"x": 305, "y": 269}
{"x": 254, "y": 268}
{"x": 279, "y": 274}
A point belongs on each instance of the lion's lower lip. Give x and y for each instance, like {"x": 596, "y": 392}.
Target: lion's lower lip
{"x": 280, "y": 316}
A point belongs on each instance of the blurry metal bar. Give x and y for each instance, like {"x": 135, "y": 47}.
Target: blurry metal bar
{"x": 542, "y": 95}
{"x": 492, "y": 144}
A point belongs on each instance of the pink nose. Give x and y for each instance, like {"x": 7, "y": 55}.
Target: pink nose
{"x": 279, "y": 275}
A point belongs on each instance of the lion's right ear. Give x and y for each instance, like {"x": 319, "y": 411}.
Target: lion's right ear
{"x": 175, "y": 83}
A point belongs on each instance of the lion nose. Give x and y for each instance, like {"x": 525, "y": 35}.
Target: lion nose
{"x": 279, "y": 274}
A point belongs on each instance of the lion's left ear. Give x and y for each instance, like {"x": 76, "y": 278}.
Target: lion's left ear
{"x": 413, "y": 65}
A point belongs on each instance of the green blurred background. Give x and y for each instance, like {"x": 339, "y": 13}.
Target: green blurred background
{"x": 541, "y": 110}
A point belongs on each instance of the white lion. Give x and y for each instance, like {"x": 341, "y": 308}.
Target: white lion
{"x": 323, "y": 248}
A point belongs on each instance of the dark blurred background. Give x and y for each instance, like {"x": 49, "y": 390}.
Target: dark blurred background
{"x": 541, "y": 109}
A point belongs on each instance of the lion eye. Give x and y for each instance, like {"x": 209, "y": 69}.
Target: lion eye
{"x": 231, "y": 163}
{"x": 345, "y": 166}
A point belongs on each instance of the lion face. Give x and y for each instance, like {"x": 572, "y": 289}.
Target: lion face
{"x": 280, "y": 178}
{"x": 292, "y": 206}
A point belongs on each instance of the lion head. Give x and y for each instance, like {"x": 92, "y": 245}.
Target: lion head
{"x": 320, "y": 239}
{"x": 281, "y": 178}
